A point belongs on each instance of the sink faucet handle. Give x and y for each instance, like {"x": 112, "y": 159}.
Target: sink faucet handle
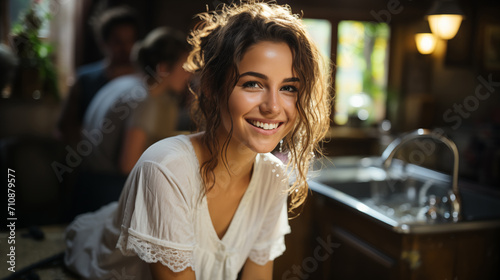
{"x": 432, "y": 208}
{"x": 455, "y": 206}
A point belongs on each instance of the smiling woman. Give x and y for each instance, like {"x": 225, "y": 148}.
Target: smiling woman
{"x": 213, "y": 204}
{"x": 233, "y": 31}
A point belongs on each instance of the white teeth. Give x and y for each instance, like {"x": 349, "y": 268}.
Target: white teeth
{"x": 266, "y": 126}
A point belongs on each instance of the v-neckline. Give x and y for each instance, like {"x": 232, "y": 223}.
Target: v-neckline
{"x": 237, "y": 213}
{"x": 204, "y": 201}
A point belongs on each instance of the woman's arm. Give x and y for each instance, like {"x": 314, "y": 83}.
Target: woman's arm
{"x": 161, "y": 272}
{"x": 253, "y": 271}
{"x": 134, "y": 145}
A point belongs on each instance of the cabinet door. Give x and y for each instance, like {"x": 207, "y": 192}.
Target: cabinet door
{"x": 366, "y": 250}
{"x": 357, "y": 259}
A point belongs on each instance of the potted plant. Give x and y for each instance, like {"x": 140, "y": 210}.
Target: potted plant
{"x": 36, "y": 75}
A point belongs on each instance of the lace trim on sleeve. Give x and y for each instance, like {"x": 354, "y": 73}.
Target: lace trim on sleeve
{"x": 262, "y": 256}
{"x": 175, "y": 259}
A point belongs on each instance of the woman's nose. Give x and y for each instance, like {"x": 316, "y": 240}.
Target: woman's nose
{"x": 270, "y": 104}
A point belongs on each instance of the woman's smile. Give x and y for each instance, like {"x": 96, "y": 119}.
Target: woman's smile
{"x": 265, "y": 124}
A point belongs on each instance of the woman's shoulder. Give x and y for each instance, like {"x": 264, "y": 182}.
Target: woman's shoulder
{"x": 176, "y": 151}
{"x": 272, "y": 170}
{"x": 166, "y": 169}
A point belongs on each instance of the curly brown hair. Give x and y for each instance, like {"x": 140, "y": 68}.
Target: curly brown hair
{"x": 219, "y": 42}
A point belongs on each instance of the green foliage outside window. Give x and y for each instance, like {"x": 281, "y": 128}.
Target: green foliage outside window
{"x": 361, "y": 72}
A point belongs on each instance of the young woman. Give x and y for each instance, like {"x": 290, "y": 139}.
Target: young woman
{"x": 129, "y": 114}
{"x": 209, "y": 205}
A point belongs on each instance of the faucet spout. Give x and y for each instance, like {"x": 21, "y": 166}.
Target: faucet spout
{"x": 392, "y": 148}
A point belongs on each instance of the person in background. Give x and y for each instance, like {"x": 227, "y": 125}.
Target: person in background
{"x": 116, "y": 30}
{"x": 157, "y": 116}
{"x": 214, "y": 203}
{"x": 128, "y": 114}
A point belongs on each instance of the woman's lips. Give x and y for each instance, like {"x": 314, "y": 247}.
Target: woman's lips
{"x": 265, "y": 127}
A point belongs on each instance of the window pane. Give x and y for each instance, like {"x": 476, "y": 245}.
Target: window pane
{"x": 17, "y": 9}
{"x": 320, "y": 31}
{"x": 361, "y": 72}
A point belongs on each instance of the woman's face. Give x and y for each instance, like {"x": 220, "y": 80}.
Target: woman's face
{"x": 263, "y": 103}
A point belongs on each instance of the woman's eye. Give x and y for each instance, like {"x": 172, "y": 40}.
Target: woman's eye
{"x": 251, "y": 85}
{"x": 289, "y": 89}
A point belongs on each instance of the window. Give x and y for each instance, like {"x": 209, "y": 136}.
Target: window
{"x": 361, "y": 68}
{"x": 49, "y": 46}
{"x": 320, "y": 31}
{"x": 361, "y": 72}
{"x": 17, "y": 8}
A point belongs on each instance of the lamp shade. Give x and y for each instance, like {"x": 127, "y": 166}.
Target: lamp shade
{"x": 426, "y": 42}
{"x": 445, "y": 18}
{"x": 445, "y": 26}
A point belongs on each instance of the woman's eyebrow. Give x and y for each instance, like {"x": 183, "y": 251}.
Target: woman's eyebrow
{"x": 255, "y": 74}
{"x": 288, "y": 80}
{"x": 264, "y": 77}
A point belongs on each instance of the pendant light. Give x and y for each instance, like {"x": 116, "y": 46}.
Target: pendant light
{"x": 445, "y": 18}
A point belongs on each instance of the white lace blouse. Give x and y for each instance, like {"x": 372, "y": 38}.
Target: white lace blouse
{"x": 160, "y": 217}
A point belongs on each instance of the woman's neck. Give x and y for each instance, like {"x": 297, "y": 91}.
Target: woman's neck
{"x": 238, "y": 160}
{"x": 238, "y": 156}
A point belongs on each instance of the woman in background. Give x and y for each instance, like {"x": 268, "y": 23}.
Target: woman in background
{"x": 128, "y": 114}
{"x": 213, "y": 204}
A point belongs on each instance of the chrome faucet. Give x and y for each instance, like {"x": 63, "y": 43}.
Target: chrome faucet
{"x": 392, "y": 148}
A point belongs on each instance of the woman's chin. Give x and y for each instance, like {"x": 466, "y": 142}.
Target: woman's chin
{"x": 260, "y": 146}
{"x": 263, "y": 149}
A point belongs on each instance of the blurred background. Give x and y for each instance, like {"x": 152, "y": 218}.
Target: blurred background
{"x": 385, "y": 84}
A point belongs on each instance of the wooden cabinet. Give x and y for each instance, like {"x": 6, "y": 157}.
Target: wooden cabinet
{"x": 359, "y": 247}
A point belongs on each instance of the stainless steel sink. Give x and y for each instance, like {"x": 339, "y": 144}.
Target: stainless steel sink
{"x": 407, "y": 197}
